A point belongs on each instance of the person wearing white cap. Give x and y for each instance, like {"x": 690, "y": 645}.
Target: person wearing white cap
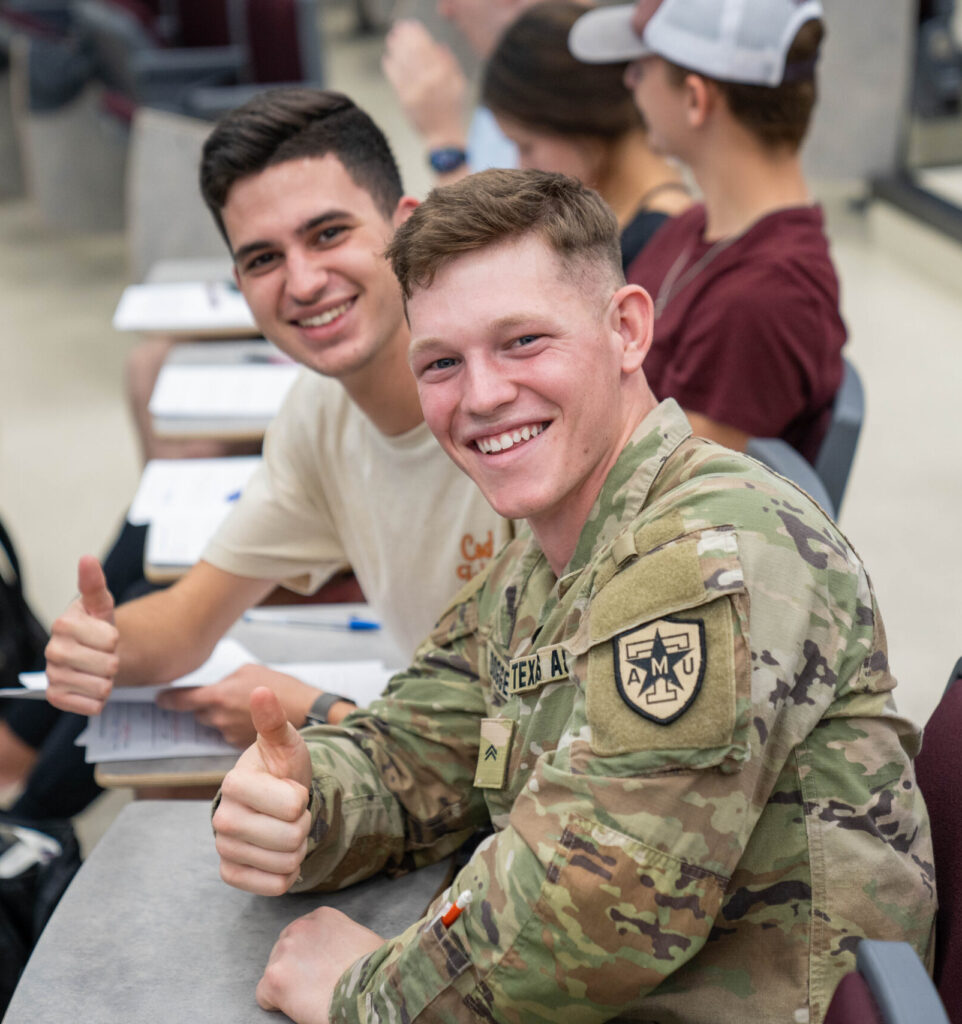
{"x": 748, "y": 335}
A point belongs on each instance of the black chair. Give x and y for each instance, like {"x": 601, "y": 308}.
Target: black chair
{"x": 889, "y": 986}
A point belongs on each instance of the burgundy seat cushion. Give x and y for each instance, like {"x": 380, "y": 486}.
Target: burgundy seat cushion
{"x": 939, "y": 772}
{"x": 852, "y": 1003}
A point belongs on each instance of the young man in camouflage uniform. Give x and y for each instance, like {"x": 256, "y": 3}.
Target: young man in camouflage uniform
{"x": 669, "y": 696}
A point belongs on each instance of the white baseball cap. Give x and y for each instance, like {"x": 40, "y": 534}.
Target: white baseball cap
{"x": 730, "y": 40}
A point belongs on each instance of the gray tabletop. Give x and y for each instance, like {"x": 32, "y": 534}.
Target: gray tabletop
{"x": 148, "y": 932}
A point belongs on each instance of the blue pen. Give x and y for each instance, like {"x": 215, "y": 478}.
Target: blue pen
{"x": 353, "y": 623}
{"x": 234, "y": 496}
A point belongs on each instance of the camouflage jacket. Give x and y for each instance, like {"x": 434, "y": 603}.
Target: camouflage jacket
{"x": 701, "y": 793}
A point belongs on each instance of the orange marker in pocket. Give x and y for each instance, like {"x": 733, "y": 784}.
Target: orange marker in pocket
{"x": 454, "y": 910}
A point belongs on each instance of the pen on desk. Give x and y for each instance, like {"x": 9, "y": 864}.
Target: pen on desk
{"x": 233, "y": 496}
{"x": 354, "y": 622}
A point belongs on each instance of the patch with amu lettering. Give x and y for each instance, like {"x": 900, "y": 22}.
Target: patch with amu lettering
{"x": 659, "y": 667}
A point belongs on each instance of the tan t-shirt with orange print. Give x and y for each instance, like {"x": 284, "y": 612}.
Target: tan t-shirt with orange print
{"x": 334, "y": 492}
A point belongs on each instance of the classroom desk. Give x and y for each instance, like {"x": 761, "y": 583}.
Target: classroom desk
{"x": 228, "y": 390}
{"x": 272, "y": 642}
{"x": 148, "y": 932}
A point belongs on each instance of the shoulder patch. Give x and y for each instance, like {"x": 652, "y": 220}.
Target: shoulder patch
{"x": 671, "y": 683}
{"x": 659, "y": 667}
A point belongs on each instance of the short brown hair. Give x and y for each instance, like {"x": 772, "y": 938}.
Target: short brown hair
{"x": 777, "y": 116}
{"x": 291, "y": 123}
{"x": 504, "y": 205}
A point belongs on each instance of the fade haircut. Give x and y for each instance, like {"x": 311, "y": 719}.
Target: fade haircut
{"x": 290, "y": 124}
{"x": 496, "y": 206}
{"x": 777, "y": 116}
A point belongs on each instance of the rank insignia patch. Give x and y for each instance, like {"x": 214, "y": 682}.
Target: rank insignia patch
{"x": 659, "y": 667}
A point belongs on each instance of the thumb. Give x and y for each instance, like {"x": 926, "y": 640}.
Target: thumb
{"x": 94, "y": 595}
{"x": 281, "y": 748}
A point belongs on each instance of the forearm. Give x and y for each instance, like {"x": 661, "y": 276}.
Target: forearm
{"x": 169, "y": 633}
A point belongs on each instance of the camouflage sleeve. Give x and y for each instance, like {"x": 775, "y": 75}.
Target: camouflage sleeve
{"x": 623, "y": 840}
{"x": 392, "y": 786}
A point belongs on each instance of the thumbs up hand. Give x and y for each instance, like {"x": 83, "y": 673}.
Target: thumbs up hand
{"x": 262, "y": 821}
{"x": 82, "y": 652}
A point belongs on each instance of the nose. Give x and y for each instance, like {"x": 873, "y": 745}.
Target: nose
{"x": 487, "y": 387}
{"x": 306, "y": 277}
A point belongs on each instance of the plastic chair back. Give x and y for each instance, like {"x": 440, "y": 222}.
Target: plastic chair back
{"x": 835, "y": 457}
{"x": 889, "y": 986}
{"x": 780, "y": 456}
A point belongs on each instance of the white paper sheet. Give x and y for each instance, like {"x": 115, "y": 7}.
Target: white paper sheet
{"x": 178, "y": 486}
{"x": 143, "y": 732}
{"x": 132, "y": 727}
{"x": 198, "y": 306}
{"x": 228, "y": 656}
{"x": 221, "y": 392}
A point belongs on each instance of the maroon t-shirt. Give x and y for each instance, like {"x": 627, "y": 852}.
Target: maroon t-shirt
{"x": 747, "y": 333}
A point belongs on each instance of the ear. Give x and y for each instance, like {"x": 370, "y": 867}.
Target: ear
{"x": 632, "y": 318}
{"x": 699, "y": 99}
{"x": 405, "y": 207}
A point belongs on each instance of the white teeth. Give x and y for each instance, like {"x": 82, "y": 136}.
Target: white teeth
{"x": 325, "y": 318}
{"x": 487, "y": 445}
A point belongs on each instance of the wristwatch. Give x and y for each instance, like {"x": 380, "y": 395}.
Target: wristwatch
{"x": 321, "y": 708}
{"x": 447, "y": 159}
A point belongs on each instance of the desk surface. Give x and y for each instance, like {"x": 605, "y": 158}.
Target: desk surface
{"x": 273, "y": 642}
{"x": 230, "y": 389}
{"x": 148, "y": 932}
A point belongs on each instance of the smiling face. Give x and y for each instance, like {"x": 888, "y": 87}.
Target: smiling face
{"x": 308, "y": 247}
{"x": 527, "y": 373}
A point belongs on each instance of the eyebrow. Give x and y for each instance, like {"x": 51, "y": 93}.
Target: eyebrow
{"x": 309, "y": 225}
{"x": 502, "y": 324}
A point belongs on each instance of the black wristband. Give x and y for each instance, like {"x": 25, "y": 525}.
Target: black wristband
{"x": 321, "y": 708}
{"x": 447, "y": 159}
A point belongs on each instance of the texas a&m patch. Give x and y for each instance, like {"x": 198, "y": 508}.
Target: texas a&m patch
{"x": 659, "y": 667}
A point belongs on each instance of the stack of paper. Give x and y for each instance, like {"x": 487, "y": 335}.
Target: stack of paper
{"x": 132, "y": 727}
{"x": 192, "y": 307}
{"x": 218, "y": 400}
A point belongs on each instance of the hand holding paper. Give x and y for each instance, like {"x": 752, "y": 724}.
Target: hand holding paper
{"x": 262, "y": 821}
{"x": 82, "y": 653}
{"x": 226, "y": 705}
